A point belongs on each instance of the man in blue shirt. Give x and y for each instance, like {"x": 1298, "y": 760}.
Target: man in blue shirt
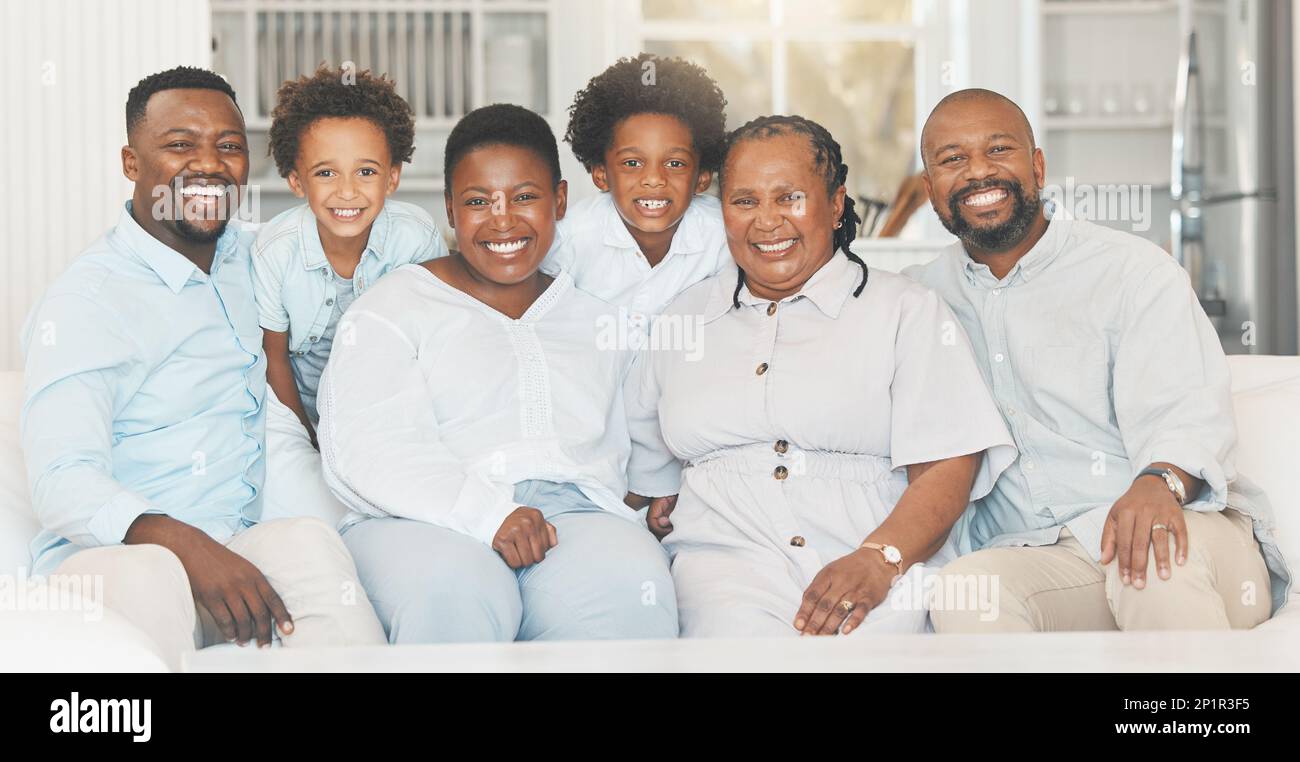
{"x": 144, "y": 423}
{"x": 1124, "y": 509}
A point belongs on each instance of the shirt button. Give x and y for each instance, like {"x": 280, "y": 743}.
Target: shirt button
{"x": 771, "y": 308}
{"x": 780, "y": 472}
{"x": 1029, "y": 465}
{"x": 997, "y": 291}
{"x": 998, "y": 357}
{"x": 329, "y": 302}
{"x": 312, "y": 338}
{"x": 762, "y": 368}
{"x": 1011, "y": 411}
{"x": 796, "y": 541}
{"x": 781, "y": 446}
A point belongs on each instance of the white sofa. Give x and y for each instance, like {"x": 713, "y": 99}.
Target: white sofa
{"x": 1266, "y": 396}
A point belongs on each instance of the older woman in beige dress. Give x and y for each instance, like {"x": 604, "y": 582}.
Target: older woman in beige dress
{"x": 819, "y": 441}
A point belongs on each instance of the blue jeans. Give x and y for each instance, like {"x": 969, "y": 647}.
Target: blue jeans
{"x": 607, "y": 578}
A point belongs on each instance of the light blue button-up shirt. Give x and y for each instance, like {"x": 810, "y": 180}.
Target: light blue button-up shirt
{"x": 299, "y": 292}
{"x": 145, "y": 382}
{"x": 1102, "y": 362}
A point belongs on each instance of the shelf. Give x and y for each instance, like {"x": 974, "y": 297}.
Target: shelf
{"x": 1118, "y": 122}
{"x": 1108, "y": 7}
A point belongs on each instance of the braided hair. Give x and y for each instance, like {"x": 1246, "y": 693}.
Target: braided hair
{"x": 826, "y": 152}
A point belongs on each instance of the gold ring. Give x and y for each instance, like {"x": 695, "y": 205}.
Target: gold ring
{"x": 1158, "y": 525}
{"x": 847, "y": 607}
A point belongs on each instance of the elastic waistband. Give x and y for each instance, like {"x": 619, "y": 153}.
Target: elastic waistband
{"x": 765, "y": 458}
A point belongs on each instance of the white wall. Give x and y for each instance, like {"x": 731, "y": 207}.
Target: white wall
{"x": 68, "y": 65}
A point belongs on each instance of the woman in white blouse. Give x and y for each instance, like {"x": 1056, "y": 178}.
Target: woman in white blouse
{"x": 477, "y": 432}
{"x": 833, "y": 426}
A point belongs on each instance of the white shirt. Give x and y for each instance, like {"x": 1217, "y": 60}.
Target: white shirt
{"x": 592, "y": 244}
{"x": 434, "y": 405}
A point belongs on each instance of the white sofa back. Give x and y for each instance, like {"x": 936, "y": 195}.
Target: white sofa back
{"x": 1266, "y": 395}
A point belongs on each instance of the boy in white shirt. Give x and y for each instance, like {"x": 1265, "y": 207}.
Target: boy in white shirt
{"x": 650, "y": 131}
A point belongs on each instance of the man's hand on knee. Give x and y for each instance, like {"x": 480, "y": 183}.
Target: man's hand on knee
{"x": 1140, "y": 522}
{"x": 233, "y": 590}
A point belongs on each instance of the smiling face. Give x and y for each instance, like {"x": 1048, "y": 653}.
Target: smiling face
{"x": 779, "y": 218}
{"x": 983, "y": 173}
{"x": 503, "y": 204}
{"x": 188, "y": 159}
{"x": 345, "y": 172}
{"x": 652, "y": 171}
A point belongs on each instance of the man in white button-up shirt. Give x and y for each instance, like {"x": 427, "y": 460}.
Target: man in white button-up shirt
{"x": 1124, "y": 509}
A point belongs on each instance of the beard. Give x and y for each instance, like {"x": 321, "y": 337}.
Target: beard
{"x": 999, "y": 237}
{"x": 194, "y": 234}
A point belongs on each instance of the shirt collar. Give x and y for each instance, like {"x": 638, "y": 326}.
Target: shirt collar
{"x": 313, "y": 251}
{"x": 1029, "y": 266}
{"x": 688, "y": 238}
{"x": 172, "y": 268}
{"x": 827, "y": 289}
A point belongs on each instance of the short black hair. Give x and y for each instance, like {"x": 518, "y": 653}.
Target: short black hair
{"x": 501, "y": 124}
{"x": 341, "y": 93}
{"x": 179, "y": 78}
{"x": 648, "y": 84}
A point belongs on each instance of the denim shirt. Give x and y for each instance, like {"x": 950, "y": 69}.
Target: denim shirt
{"x": 144, "y": 389}
{"x": 1102, "y": 362}
{"x": 295, "y": 284}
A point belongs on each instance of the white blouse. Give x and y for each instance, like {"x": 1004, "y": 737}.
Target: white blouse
{"x": 888, "y": 374}
{"x": 434, "y": 405}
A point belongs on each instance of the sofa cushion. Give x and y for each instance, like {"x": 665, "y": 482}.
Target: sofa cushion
{"x": 18, "y": 524}
{"x": 1266, "y": 398}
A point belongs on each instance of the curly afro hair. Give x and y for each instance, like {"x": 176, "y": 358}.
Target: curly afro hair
{"x": 178, "y": 78}
{"x": 648, "y": 84}
{"x": 339, "y": 93}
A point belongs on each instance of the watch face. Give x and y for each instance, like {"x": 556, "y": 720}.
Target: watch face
{"x": 892, "y": 555}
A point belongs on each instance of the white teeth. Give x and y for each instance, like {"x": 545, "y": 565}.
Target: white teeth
{"x": 346, "y": 213}
{"x": 986, "y": 198}
{"x": 203, "y": 190}
{"x": 652, "y": 203}
{"x": 772, "y": 248}
{"x": 510, "y": 247}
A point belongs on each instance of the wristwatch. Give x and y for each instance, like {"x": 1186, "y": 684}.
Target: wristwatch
{"x": 892, "y": 555}
{"x": 1172, "y": 481}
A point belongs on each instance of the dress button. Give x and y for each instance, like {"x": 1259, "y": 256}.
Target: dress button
{"x": 771, "y": 308}
{"x": 796, "y": 541}
{"x": 781, "y": 446}
{"x": 780, "y": 472}
{"x": 762, "y": 368}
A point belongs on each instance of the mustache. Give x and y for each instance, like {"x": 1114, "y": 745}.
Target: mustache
{"x": 1011, "y": 186}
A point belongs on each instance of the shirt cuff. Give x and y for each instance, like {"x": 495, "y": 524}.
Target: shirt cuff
{"x": 1198, "y": 462}
{"x": 660, "y": 482}
{"x": 109, "y": 525}
{"x": 273, "y": 324}
{"x": 483, "y": 506}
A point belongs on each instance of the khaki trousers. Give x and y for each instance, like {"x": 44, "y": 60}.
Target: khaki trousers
{"x": 1224, "y": 584}
{"x": 303, "y": 559}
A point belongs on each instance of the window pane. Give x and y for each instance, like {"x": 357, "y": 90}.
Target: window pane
{"x": 742, "y": 68}
{"x": 863, "y": 92}
{"x": 514, "y": 59}
{"x": 694, "y": 10}
{"x": 877, "y": 11}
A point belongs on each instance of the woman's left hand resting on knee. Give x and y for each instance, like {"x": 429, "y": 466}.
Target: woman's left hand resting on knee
{"x": 848, "y": 588}
{"x": 524, "y": 538}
